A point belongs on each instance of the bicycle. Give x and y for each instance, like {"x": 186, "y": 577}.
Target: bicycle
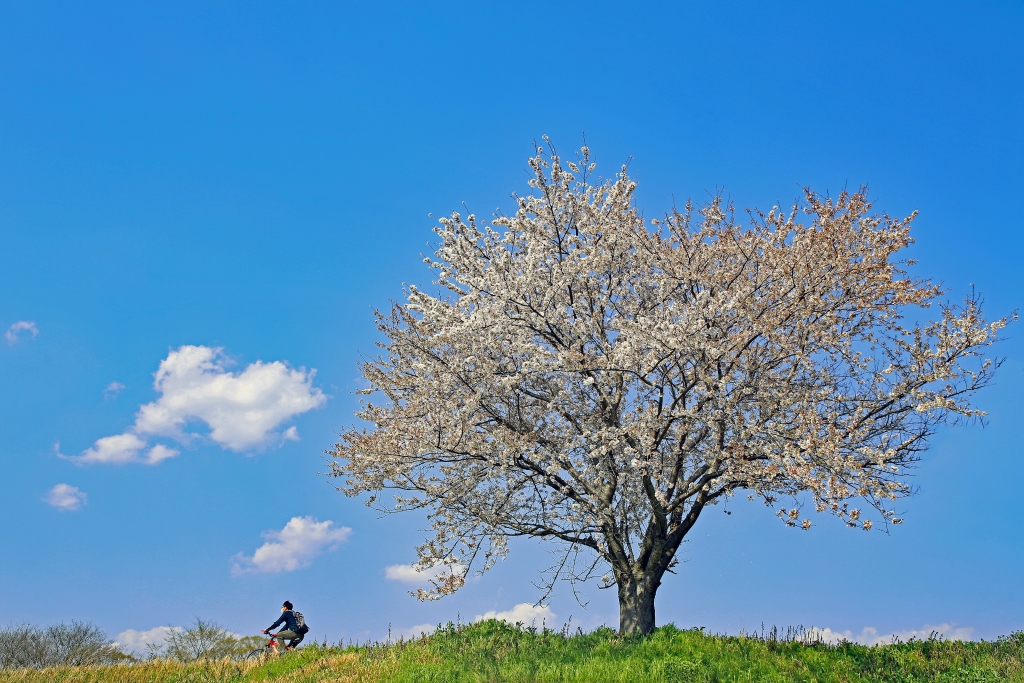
{"x": 268, "y": 650}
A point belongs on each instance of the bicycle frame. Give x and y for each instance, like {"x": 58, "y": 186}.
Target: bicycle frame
{"x": 270, "y": 647}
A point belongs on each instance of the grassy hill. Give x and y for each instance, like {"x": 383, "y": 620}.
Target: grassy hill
{"x": 494, "y": 651}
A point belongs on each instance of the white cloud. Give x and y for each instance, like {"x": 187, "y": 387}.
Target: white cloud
{"x": 524, "y": 613}
{"x": 159, "y": 453}
{"x": 19, "y": 329}
{"x": 65, "y": 497}
{"x": 131, "y": 640}
{"x": 295, "y": 546}
{"x": 869, "y": 635}
{"x": 115, "y": 449}
{"x": 113, "y": 389}
{"x": 406, "y": 573}
{"x": 242, "y": 410}
{"x": 122, "y": 448}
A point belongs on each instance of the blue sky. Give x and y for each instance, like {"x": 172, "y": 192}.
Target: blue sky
{"x": 179, "y": 178}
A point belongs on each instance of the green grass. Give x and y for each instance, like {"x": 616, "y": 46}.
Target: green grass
{"x": 494, "y": 651}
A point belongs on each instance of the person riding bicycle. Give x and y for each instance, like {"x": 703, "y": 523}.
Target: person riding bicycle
{"x": 291, "y": 630}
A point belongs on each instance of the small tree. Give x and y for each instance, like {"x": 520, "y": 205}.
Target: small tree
{"x": 597, "y": 381}
{"x": 204, "y": 640}
{"x": 74, "y": 644}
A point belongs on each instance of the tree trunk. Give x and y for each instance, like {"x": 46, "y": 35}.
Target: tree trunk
{"x": 636, "y": 606}
{"x": 639, "y": 578}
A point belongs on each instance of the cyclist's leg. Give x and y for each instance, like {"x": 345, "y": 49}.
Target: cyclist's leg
{"x": 295, "y": 642}
{"x": 287, "y": 635}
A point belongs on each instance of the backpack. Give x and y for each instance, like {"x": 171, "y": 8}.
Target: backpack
{"x": 300, "y": 622}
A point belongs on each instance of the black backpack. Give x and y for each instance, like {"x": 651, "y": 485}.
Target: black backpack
{"x": 300, "y": 622}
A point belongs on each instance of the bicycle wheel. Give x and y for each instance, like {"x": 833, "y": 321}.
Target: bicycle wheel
{"x": 257, "y": 654}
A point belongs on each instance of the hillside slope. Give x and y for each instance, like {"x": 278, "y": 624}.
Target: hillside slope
{"x": 494, "y": 651}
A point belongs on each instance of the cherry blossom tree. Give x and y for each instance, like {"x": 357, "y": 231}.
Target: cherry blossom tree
{"x": 598, "y": 380}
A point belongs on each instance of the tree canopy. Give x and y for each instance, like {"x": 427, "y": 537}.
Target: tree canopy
{"x": 589, "y": 377}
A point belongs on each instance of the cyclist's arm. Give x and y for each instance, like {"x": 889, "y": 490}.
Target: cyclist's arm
{"x": 277, "y": 623}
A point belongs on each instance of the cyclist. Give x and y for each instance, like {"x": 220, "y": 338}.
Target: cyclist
{"x": 291, "y": 630}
